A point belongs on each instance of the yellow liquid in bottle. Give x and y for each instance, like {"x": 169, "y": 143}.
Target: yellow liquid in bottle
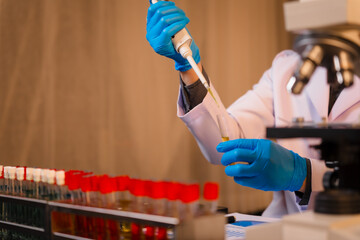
{"x": 125, "y": 226}
{"x": 234, "y": 163}
{"x": 224, "y": 139}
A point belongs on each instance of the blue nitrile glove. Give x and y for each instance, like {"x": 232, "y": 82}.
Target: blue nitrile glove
{"x": 270, "y": 166}
{"x": 164, "y": 19}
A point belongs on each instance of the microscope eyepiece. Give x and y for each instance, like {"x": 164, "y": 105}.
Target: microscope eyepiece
{"x": 343, "y": 67}
{"x": 311, "y": 59}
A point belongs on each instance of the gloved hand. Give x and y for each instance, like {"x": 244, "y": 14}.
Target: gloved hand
{"x": 164, "y": 19}
{"x": 270, "y": 166}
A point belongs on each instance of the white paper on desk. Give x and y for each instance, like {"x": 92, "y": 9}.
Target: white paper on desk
{"x": 234, "y": 232}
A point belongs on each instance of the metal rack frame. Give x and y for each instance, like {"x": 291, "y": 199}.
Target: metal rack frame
{"x": 182, "y": 230}
{"x": 44, "y": 232}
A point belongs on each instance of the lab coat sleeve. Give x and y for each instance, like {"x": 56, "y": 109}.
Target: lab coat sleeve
{"x": 246, "y": 118}
{"x": 202, "y": 123}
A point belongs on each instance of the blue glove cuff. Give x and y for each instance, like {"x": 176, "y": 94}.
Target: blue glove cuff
{"x": 299, "y": 173}
{"x": 182, "y": 67}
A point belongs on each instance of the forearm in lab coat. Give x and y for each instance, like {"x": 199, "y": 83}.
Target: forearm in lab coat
{"x": 193, "y": 94}
{"x": 202, "y": 123}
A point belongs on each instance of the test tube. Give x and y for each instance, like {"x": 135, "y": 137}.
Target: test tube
{"x": 224, "y": 131}
{"x": 173, "y": 206}
{"x": 158, "y": 197}
{"x": 19, "y": 208}
{"x": 43, "y": 184}
{"x": 108, "y": 187}
{"x": 124, "y": 202}
{"x": 20, "y": 173}
{"x": 210, "y": 195}
{"x": 35, "y": 211}
{"x": 62, "y": 222}
{"x": 11, "y": 207}
{"x": 28, "y": 184}
{"x": 138, "y": 191}
{"x": 222, "y": 127}
{"x": 190, "y": 201}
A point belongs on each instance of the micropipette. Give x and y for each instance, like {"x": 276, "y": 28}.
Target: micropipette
{"x": 182, "y": 41}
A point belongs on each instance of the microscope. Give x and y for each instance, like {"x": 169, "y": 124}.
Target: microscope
{"x": 327, "y": 35}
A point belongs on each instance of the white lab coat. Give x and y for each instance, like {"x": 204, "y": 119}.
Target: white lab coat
{"x": 269, "y": 104}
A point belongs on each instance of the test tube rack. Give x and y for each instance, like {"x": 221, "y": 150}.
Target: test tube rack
{"x": 204, "y": 227}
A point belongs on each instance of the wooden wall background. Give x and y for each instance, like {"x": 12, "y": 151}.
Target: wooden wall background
{"x": 80, "y": 87}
